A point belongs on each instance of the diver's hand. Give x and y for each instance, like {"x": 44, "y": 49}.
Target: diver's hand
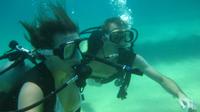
{"x": 187, "y": 104}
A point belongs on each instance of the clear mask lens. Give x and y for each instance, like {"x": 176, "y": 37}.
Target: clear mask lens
{"x": 83, "y": 46}
{"x": 118, "y": 36}
{"x": 68, "y": 50}
{"x": 70, "y": 47}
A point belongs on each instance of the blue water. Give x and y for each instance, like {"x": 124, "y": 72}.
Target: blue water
{"x": 169, "y": 37}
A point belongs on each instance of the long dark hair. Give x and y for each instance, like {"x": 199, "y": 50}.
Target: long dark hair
{"x": 42, "y": 31}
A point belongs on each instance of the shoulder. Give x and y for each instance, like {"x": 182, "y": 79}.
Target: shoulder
{"x": 147, "y": 69}
{"x": 37, "y": 84}
{"x": 30, "y": 93}
{"x": 29, "y": 88}
{"x": 40, "y": 76}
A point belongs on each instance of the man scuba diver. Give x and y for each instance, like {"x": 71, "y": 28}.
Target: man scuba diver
{"x": 113, "y": 42}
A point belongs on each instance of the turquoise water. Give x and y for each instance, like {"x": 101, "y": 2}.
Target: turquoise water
{"x": 169, "y": 37}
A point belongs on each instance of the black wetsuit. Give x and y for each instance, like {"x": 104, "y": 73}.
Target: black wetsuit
{"x": 41, "y": 76}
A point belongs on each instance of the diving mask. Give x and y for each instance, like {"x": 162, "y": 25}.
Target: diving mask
{"x": 123, "y": 35}
{"x": 66, "y": 50}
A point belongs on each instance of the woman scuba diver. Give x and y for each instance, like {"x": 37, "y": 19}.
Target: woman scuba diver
{"x": 113, "y": 42}
{"x": 56, "y": 41}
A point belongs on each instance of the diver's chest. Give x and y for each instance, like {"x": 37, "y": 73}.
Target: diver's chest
{"x": 102, "y": 70}
{"x": 70, "y": 98}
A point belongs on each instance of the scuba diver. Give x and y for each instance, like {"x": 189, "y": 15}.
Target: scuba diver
{"x": 55, "y": 83}
{"x": 57, "y": 41}
{"x": 113, "y": 42}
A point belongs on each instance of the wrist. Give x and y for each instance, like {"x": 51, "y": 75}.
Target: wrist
{"x": 181, "y": 95}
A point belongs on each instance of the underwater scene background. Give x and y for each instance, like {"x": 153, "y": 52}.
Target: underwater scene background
{"x": 169, "y": 39}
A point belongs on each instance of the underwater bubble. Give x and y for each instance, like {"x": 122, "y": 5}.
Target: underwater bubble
{"x": 73, "y": 12}
{"x": 123, "y": 11}
{"x": 118, "y": 2}
{"x": 125, "y": 17}
{"x": 122, "y": 2}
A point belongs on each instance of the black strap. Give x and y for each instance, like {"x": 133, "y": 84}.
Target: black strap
{"x": 95, "y": 42}
{"x": 123, "y": 89}
{"x": 126, "y": 57}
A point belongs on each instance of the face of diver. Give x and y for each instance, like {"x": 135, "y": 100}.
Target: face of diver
{"x": 119, "y": 36}
{"x": 71, "y": 53}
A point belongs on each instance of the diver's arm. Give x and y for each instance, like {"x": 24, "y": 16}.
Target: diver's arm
{"x": 29, "y": 94}
{"x": 168, "y": 84}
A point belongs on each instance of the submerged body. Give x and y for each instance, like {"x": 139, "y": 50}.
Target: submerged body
{"x": 55, "y": 40}
{"x": 111, "y": 45}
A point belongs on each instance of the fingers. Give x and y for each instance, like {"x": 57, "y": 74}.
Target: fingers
{"x": 192, "y": 110}
{"x": 191, "y": 106}
{"x": 182, "y": 103}
{"x": 188, "y": 105}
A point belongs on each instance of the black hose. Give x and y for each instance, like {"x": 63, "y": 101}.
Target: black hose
{"x": 89, "y": 30}
{"x": 125, "y": 68}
